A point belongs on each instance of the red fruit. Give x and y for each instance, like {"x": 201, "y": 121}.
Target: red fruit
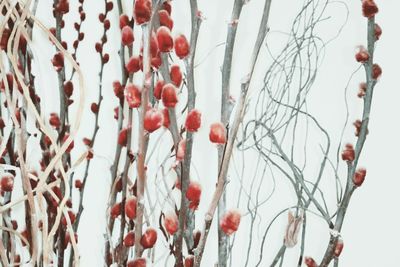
{"x": 72, "y": 218}
{"x": 378, "y": 32}
{"x": 123, "y": 21}
{"x": 176, "y": 75}
{"x": 164, "y": 39}
{"x": 102, "y": 17}
{"x": 182, "y": 48}
{"x": 189, "y": 261}
{"x": 7, "y": 182}
{"x": 149, "y": 238}
{"x": 115, "y": 210}
{"x": 123, "y": 137}
{"x": 71, "y": 145}
{"x": 133, "y": 96}
{"x": 167, "y": 7}
{"x": 153, "y": 45}
{"x": 310, "y": 262}
{"x": 193, "y": 194}
{"x": 118, "y": 89}
{"x": 78, "y": 184}
{"x": 180, "y": 153}
{"x": 62, "y": 7}
{"x": 156, "y": 61}
{"x": 106, "y": 58}
{"x": 87, "y": 141}
{"x": 359, "y": 176}
{"x": 153, "y": 119}
{"x": 376, "y": 71}
{"x": 158, "y": 89}
{"x": 94, "y": 108}
{"x": 165, "y": 19}
{"x": 230, "y": 222}
{"x": 171, "y": 223}
{"x": 362, "y": 55}
{"x": 127, "y": 37}
{"x": 168, "y": 95}
{"x": 166, "y": 120}
{"x": 217, "y": 133}
{"x": 193, "y": 120}
{"x": 109, "y": 6}
{"x": 107, "y": 24}
{"x": 140, "y": 262}
{"x": 58, "y": 61}
{"x": 130, "y": 207}
{"x": 357, "y": 124}
{"x": 362, "y": 90}
{"x": 196, "y": 237}
{"x": 348, "y": 153}
{"x": 129, "y": 240}
{"x": 369, "y": 8}
{"x": 68, "y": 88}
{"x": 133, "y": 65}
{"x": 142, "y": 11}
{"x": 338, "y": 247}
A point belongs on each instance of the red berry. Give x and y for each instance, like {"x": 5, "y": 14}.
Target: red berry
{"x": 168, "y": 95}
{"x": 140, "y": 262}
{"x": 118, "y": 89}
{"x": 153, "y": 45}
{"x": 71, "y": 216}
{"x": 359, "y": 176}
{"x": 129, "y": 240}
{"x": 189, "y": 261}
{"x": 153, "y": 119}
{"x": 193, "y": 120}
{"x": 156, "y": 61}
{"x": 167, "y": 7}
{"x": 115, "y": 210}
{"x": 362, "y": 90}
{"x": 171, "y": 223}
{"x": 176, "y": 75}
{"x": 7, "y": 182}
{"x": 127, "y": 37}
{"x": 123, "y": 21}
{"x": 142, "y": 11}
{"x": 54, "y": 120}
{"x": 78, "y": 184}
{"x": 165, "y": 19}
{"x": 378, "y": 32}
{"x": 158, "y": 89}
{"x": 123, "y": 137}
{"x": 130, "y": 207}
{"x": 58, "y": 61}
{"x": 68, "y": 88}
{"x": 133, "y": 96}
{"x": 181, "y": 45}
{"x": 109, "y": 6}
{"x": 94, "y": 108}
{"x": 369, "y": 8}
{"x": 193, "y": 194}
{"x": 62, "y": 7}
{"x": 348, "y": 153}
{"x": 217, "y": 133}
{"x": 376, "y": 71}
{"x": 362, "y": 55}
{"x": 164, "y": 39}
{"x": 149, "y": 238}
{"x": 338, "y": 247}
{"x": 230, "y": 222}
{"x": 166, "y": 120}
{"x": 310, "y": 262}
{"x": 133, "y": 65}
